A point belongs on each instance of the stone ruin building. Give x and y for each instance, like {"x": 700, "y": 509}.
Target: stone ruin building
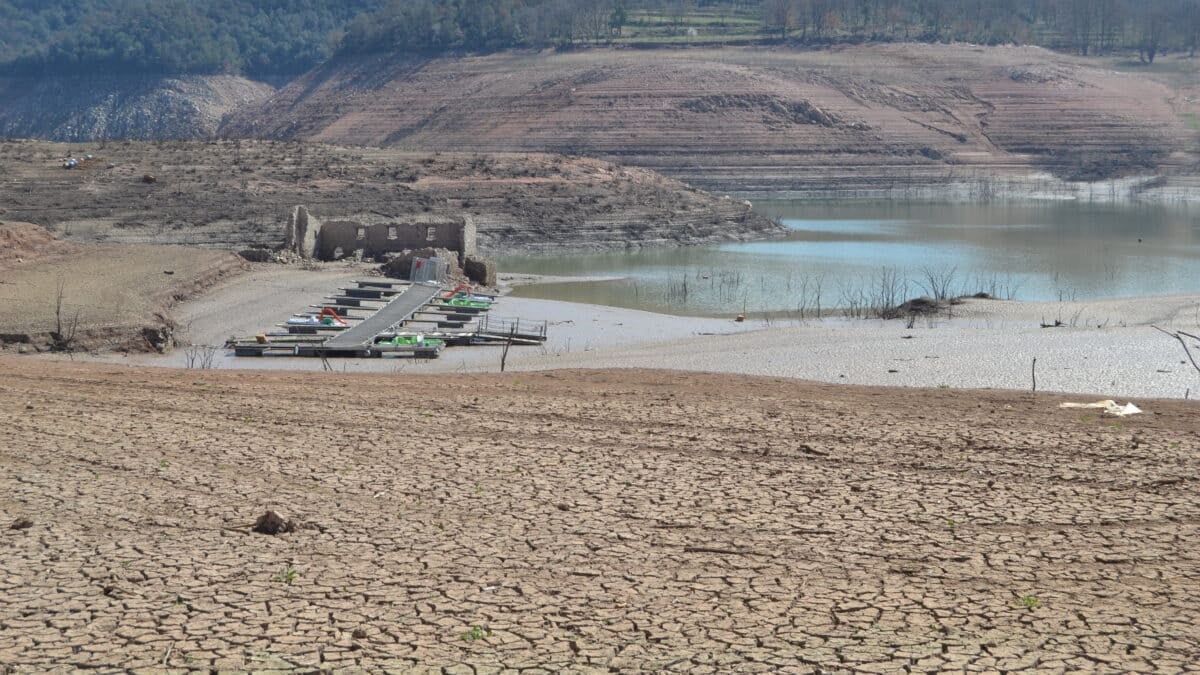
{"x": 394, "y": 240}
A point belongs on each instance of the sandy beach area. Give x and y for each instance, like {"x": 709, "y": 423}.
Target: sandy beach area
{"x": 1106, "y": 348}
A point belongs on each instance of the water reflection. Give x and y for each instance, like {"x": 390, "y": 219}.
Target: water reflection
{"x": 1033, "y": 252}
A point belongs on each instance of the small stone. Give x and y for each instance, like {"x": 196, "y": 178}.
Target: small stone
{"x": 21, "y": 524}
{"x": 271, "y": 523}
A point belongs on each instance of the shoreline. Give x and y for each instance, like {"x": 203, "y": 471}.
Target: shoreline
{"x": 1104, "y": 348}
{"x": 1001, "y": 187}
{"x": 507, "y": 281}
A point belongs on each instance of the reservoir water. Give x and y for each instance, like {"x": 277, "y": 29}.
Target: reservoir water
{"x": 840, "y": 255}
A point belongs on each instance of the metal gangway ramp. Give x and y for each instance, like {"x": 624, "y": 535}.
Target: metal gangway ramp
{"x": 400, "y": 308}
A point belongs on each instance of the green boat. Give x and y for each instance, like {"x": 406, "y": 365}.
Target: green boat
{"x": 460, "y": 302}
{"x": 419, "y": 340}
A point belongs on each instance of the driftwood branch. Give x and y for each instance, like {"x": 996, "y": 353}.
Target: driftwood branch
{"x": 1180, "y": 335}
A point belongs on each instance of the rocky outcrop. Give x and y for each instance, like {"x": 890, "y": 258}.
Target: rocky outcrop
{"x": 855, "y": 121}
{"x": 122, "y": 107}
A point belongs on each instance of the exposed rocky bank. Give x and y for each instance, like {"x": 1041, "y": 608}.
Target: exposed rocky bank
{"x": 120, "y": 106}
{"x": 234, "y": 194}
{"x": 894, "y": 120}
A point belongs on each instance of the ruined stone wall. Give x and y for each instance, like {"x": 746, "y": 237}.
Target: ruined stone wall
{"x": 369, "y": 237}
{"x": 302, "y": 232}
{"x": 468, "y": 242}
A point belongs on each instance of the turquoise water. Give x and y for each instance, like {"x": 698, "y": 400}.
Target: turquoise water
{"x": 1058, "y": 251}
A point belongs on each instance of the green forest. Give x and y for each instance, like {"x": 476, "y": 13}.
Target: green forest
{"x": 1084, "y": 26}
{"x": 255, "y": 37}
{"x": 265, "y": 38}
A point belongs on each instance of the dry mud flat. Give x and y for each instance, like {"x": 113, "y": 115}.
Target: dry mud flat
{"x": 587, "y": 521}
{"x": 97, "y": 296}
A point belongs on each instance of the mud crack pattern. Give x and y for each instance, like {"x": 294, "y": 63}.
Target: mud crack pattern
{"x": 587, "y": 521}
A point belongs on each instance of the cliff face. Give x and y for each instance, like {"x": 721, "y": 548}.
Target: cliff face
{"x": 122, "y": 107}
{"x": 233, "y": 194}
{"x": 847, "y": 122}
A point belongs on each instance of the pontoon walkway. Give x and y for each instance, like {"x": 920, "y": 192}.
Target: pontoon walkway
{"x": 400, "y": 308}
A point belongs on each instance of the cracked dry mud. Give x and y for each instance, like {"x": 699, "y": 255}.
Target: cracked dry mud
{"x": 603, "y": 520}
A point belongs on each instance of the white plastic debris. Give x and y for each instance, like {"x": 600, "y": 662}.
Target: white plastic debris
{"x": 1108, "y": 407}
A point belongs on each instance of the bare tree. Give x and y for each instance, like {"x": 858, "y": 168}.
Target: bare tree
{"x": 1110, "y": 22}
{"x": 63, "y": 337}
{"x": 937, "y": 282}
{"x": 1078, "y": 20}
{"x": 1152, "y": 27}
{"x": 780, "y": 16}
{"x": 1186, "y": 21}
{"x": 678, "y": 10}
{"x": 200, "y": 357}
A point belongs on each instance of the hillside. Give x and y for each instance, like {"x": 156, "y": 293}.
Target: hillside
{"x": 146, "y": 107}
{"x": 235, "y": 194}
{"x": 874, "y": 120}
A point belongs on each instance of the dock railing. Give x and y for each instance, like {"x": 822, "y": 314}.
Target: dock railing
{"x": 501, "y": 326}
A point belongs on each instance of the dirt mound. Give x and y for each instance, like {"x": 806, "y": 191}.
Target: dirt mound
{"x": 23, "y": 243}
{"x": 793, "y": 112}
{"x": 856, "y": 121}
{"x": 1037, "y": 74}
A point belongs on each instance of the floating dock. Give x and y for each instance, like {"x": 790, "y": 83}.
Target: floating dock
{"x": 395, "y": 312}
{"x": 377, "y": 318}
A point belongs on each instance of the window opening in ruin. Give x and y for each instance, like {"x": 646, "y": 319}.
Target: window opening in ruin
{"x": 392, "y": 234}
{"x": 431, "y": 233}
{"x": 362, "y": 233}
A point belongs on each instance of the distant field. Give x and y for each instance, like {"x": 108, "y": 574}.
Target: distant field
{"x": 645, "y": 26}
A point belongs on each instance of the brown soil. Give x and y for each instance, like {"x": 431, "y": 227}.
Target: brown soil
{"x": 113, "y": 296}
{"x": 238, "y": 194}
{"x": 609, "y": 520}
{"x": 22, "y": 244}
{"x": 846, "y": 121}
